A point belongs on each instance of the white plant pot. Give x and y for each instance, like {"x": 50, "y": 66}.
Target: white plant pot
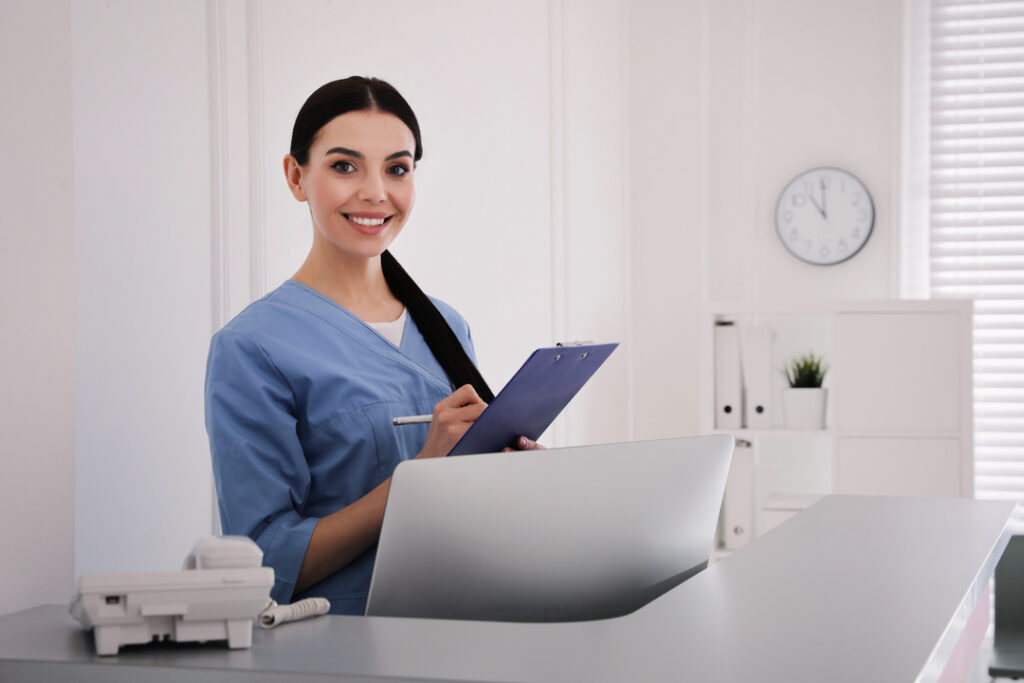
{"x": 804, "y": 408}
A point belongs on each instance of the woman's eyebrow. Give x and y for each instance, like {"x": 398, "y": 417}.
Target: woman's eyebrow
{"x": 344, "y": 150}
{"x": 359, "y": 155}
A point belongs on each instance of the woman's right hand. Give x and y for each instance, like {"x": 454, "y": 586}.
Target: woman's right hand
{"x": 452, "y": 417}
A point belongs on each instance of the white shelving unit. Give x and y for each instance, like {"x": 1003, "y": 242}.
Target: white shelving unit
{"x": 899, "y": 411}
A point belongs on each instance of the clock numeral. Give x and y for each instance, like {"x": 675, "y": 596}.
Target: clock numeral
{"x": 855, "y": 234}
{"x": 826, "y": 180}
{"x": 862, "y": 215}
{"x": 823, "y": 252}
{"x": 794, "y": 235}
{"x": 855, "y": 198}
{"x": 799, "y": 200}
{"x": 788, "y": 216}
{"x": 807, "y": 245}
{"x": 843, "y": 248}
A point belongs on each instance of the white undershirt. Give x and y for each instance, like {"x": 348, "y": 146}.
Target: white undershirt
{"x": 391, "y": 331}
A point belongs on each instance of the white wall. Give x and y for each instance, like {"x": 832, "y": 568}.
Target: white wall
{"x": 592, "y": 267}
{"x": 670, "y": 70}
{"x": 731, "y": 100}
{"x": 142, "y": 233}
{"x": 37, "y": 306}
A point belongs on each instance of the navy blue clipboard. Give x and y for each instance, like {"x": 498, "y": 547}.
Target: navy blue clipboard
{"x": 534, "y": 397}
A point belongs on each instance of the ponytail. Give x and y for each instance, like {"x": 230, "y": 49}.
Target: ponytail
{"x": 435, "y": 329}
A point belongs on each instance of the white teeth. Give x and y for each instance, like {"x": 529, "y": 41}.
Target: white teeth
{"x": 368, "y": 222}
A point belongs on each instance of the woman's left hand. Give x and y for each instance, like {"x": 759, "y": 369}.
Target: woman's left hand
{"x": 524, "y": 444}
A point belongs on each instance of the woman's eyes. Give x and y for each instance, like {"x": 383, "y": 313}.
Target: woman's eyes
{"x": 348, "y": 167}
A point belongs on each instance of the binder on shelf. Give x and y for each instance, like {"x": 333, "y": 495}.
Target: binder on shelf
{"x": 756, "y": 351}
{"x": 738, "y": 504}
{"x": 728, "y": 377}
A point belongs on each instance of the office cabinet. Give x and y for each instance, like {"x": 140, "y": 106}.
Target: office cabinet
{"x": 899, "y": 406}
{"x": 899, "y": 372}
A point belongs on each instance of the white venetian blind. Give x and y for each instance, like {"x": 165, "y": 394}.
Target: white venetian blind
{"x": 977, "y": 216}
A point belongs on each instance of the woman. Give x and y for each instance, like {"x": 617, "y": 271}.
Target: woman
{"x": 302, "y": 385}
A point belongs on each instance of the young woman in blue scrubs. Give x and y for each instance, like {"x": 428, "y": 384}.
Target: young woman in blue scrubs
{"x": 302, "y": 385}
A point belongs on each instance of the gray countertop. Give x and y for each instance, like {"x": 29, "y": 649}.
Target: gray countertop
{"x": 853, "y": 589}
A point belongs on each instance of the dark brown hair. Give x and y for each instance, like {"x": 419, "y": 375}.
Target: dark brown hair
{"x": 355, "y": 93}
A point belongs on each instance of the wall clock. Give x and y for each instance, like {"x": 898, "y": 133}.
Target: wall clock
{"x": 824, "y": 216}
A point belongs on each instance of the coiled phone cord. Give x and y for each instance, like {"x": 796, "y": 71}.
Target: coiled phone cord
{"x": 275, "y": 615}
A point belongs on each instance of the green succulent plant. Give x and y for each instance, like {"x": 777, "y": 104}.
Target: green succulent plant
{"x": 807, "y": 371}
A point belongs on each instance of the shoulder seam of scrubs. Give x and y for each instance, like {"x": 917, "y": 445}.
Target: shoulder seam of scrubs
{"x": 263, "y": 352}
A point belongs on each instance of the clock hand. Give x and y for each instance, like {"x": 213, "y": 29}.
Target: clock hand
{"x": 816, "y": 205}
{"x": 824, "y": 212}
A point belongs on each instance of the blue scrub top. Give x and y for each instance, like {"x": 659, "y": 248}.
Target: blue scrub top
{"x": 299, "y": 399}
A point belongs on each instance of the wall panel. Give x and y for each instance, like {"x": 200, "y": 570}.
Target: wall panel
{"x": 37, "y": 306}
{"x": 142, "y": 253}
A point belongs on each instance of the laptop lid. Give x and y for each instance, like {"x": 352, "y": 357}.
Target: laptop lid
{"x": 565, "y": 534}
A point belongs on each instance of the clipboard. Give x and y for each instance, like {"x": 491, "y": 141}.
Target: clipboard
{"x": 534, "y": 397}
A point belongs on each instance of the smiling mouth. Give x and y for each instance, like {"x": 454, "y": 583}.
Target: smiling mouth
{"x": 367, "y": 222}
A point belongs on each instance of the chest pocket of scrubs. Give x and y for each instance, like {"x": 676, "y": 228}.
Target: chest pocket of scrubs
{"x": 395, "y": 444}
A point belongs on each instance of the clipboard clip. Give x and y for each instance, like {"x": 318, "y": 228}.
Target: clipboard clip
{"x": 573, "y": 343}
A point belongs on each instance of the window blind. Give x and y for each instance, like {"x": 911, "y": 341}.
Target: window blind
{"x": 976, "y": 212}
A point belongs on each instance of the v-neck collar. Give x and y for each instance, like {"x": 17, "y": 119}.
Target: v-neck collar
{"x": 360, "y": 331}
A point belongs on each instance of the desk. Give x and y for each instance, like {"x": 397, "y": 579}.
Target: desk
{"x": 853, "y": 589}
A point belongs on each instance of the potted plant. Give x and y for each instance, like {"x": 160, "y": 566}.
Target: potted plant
{"x": 803, "y": 403}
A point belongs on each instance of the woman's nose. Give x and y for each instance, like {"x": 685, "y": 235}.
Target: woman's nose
{"x": 372, "y": 189}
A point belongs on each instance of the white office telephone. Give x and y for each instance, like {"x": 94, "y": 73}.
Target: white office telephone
{"x": 215, "y": 596}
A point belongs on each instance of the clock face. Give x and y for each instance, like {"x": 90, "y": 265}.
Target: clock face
{"x": 824, "y": 216}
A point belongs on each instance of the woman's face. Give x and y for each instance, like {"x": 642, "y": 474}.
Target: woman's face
{"x": 358, "y": 182}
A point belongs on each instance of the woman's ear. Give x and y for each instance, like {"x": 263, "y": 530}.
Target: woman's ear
{"x": 293, "y": 174}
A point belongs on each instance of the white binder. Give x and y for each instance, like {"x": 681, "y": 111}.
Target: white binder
{"x": 738, "y": 504}
{"x": 728, "y": 377}
{"x": 756, "y": 345}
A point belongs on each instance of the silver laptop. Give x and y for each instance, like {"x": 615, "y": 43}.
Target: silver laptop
{"x": 564, "y": 534}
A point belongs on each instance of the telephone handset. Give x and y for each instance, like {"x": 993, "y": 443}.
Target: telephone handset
{"x": 223, "y": 552}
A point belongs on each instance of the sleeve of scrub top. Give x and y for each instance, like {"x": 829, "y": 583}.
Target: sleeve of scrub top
{"x": 260, "y": 470}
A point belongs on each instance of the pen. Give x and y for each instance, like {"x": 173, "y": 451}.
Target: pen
{"x": 411, "y": 420}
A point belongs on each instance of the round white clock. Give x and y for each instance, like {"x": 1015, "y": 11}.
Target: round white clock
{"x": 824, "y": 216}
